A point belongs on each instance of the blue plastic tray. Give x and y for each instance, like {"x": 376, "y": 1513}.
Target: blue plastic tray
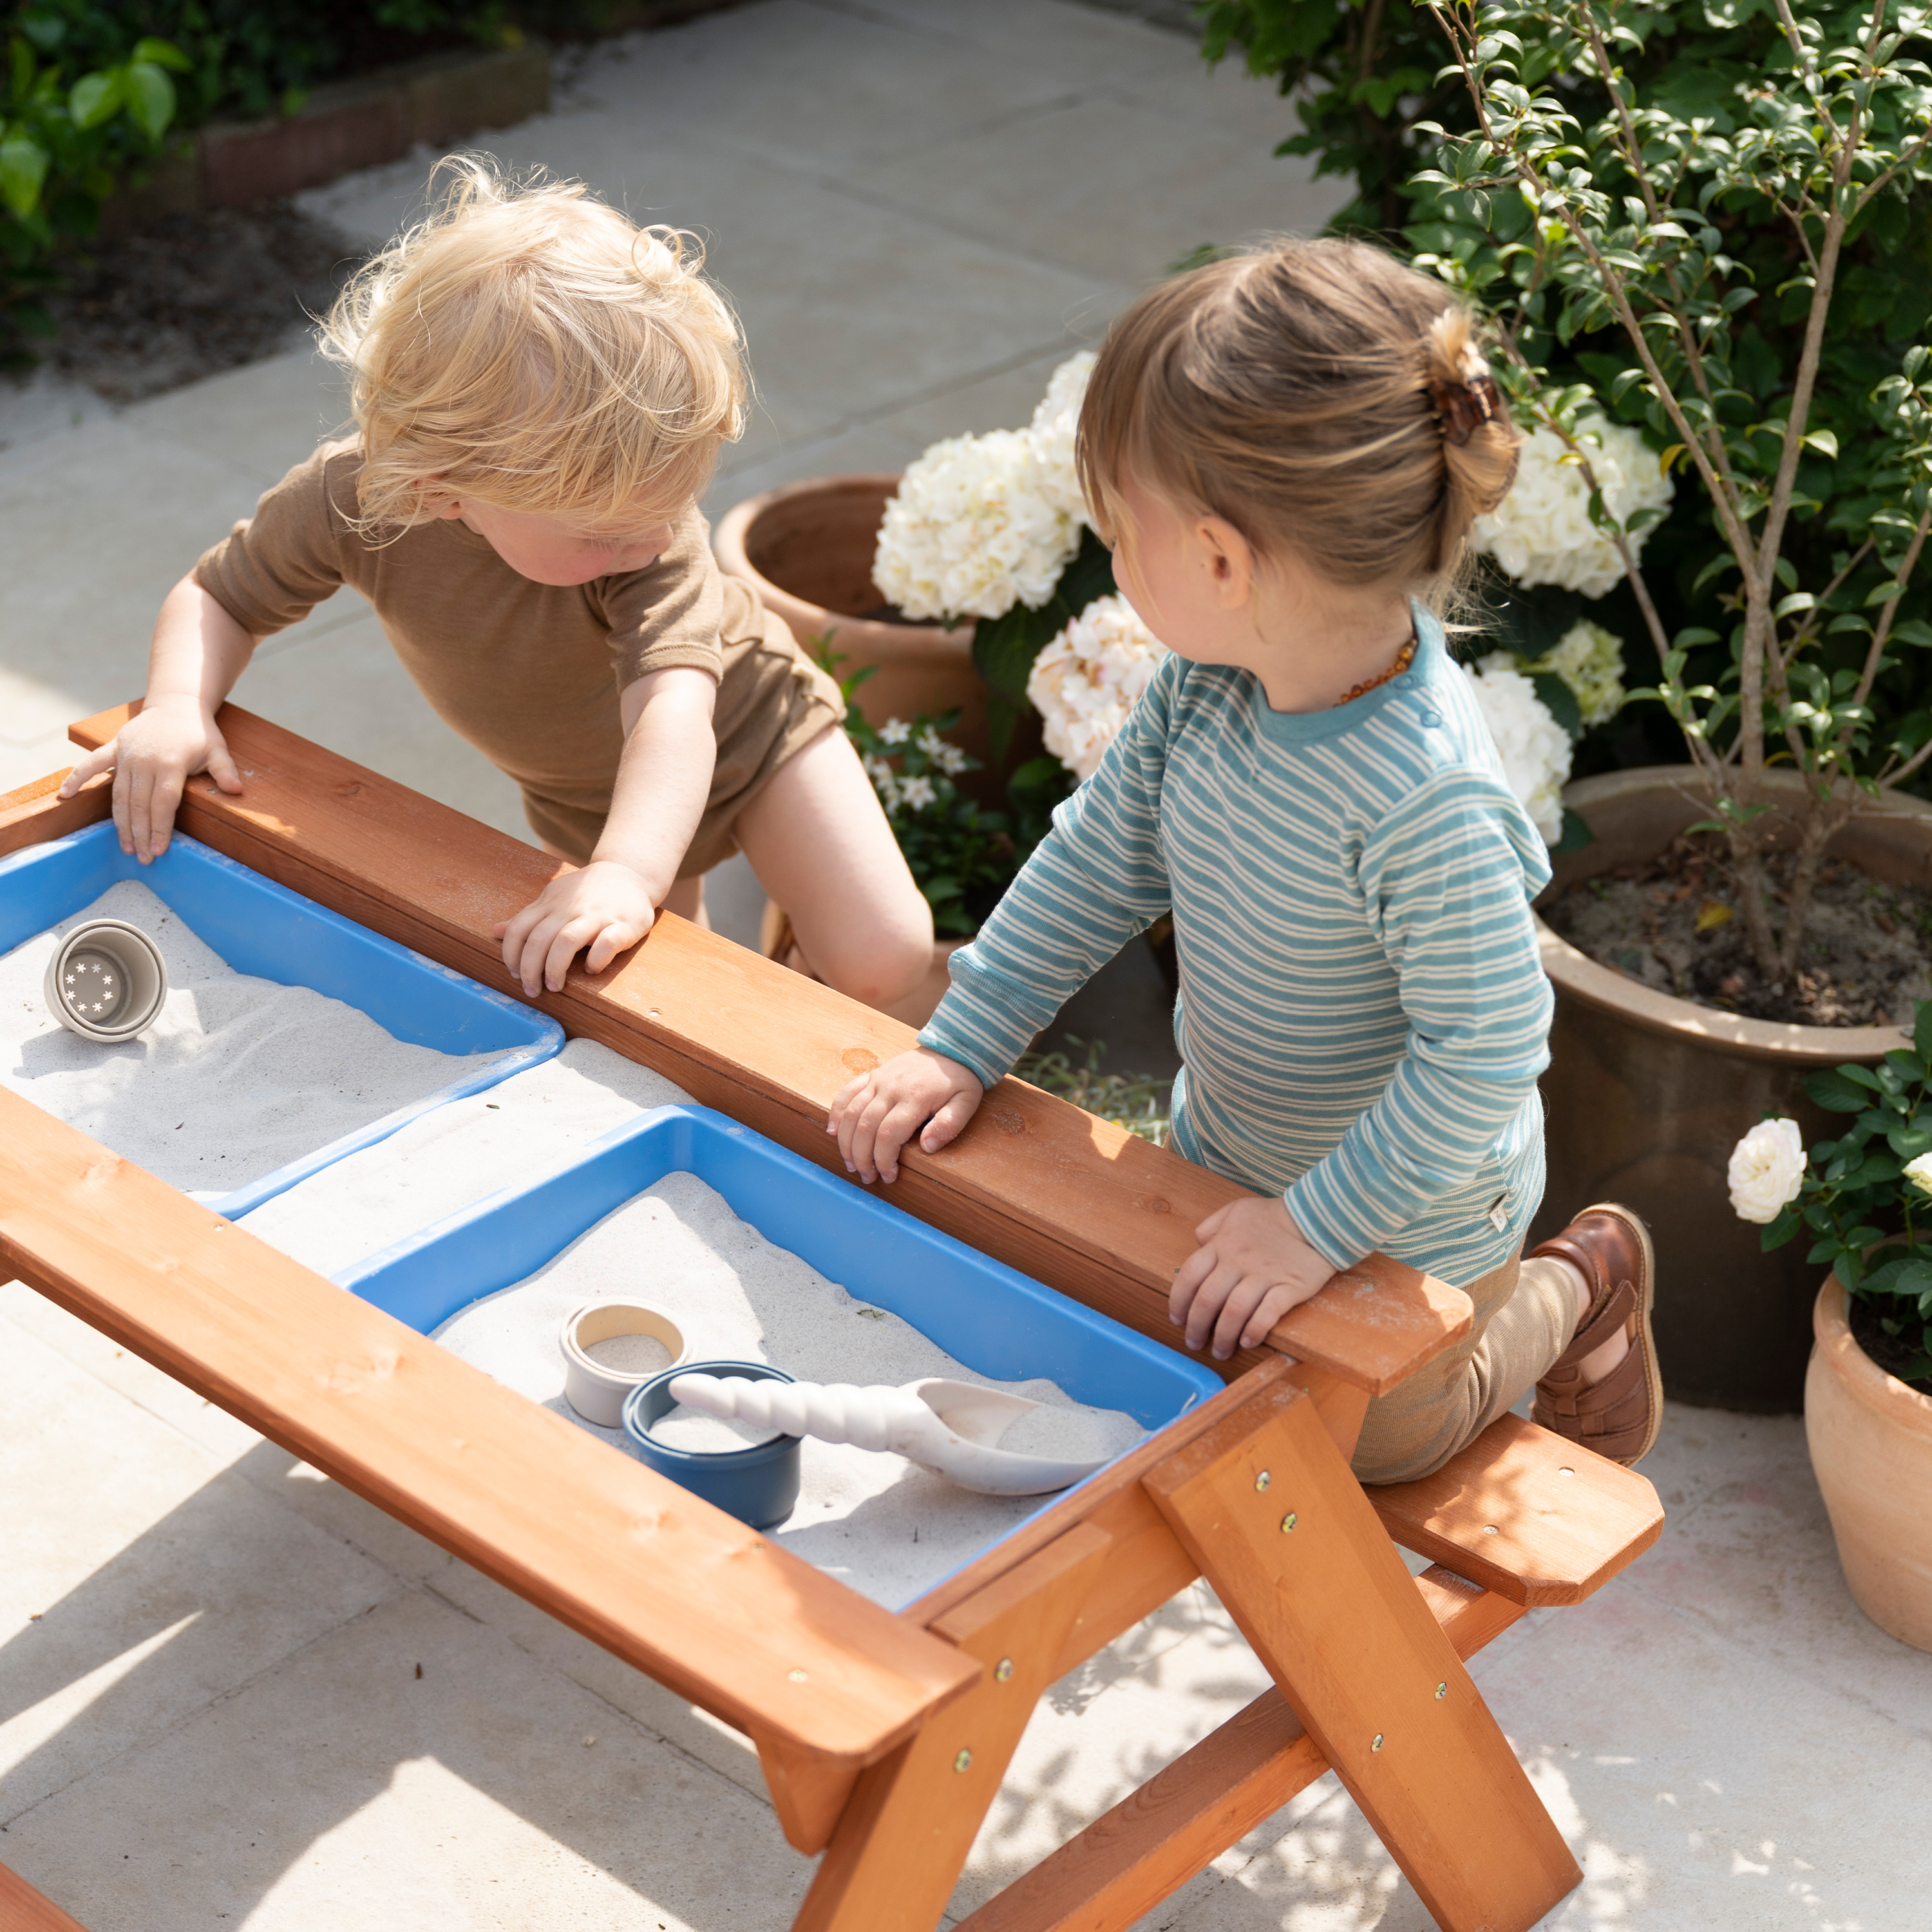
{"x": 263, "y": 928}
{"x": 998, "y": 1322}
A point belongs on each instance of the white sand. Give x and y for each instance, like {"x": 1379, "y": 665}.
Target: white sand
{"x": 630, "y": 1355}
{"x": 888, "y": 1529}
{"x": 457, "y": 1155}
{"x": 237, "y": 1076}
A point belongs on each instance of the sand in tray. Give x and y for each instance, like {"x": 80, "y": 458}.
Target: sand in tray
{"x": 885, "y": 1528}
{"x": 237, "y": 1076}
{"x": 457, "y": 1155}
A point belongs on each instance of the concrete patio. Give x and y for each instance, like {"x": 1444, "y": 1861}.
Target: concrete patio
{"x": 232, "y": 1694}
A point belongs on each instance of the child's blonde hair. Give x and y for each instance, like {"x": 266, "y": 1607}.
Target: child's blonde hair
{"x": 1296, "y": 390}
{"x": 527, "y": 345}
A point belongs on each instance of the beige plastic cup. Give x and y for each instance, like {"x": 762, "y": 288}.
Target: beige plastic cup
{"x": 596, "y": 1390}
{"x": 105, "y": 980}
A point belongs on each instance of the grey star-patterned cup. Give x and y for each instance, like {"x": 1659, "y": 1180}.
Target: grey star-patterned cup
{"x": 105, "y": 980}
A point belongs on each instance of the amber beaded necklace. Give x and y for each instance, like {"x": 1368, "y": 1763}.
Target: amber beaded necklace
{"x": 1404, "y": 658}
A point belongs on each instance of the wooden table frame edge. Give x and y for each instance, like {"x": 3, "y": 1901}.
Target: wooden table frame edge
{"x": 887, "y": 1763}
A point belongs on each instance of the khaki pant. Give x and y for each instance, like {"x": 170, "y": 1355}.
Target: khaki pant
{"x": 1526, "y": 1313}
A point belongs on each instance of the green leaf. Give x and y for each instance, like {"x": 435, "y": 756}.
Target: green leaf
{"x": 162, "y": 53}
{"x": 1832, "y": 1091}
{"x": 23, "y": 166}
{"x": 1822, "y": 438}
{"x": 95, "y": 98}
{"x": 1921, "y": 1031}
{"x": 1576, "y": 833}
{"x": 151, "y": 98}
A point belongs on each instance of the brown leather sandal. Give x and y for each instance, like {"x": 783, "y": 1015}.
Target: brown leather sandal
{"x": 1618, "y": 1416}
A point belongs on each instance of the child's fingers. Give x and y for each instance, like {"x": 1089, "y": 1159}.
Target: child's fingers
{"x": 1209, "y": 1300}
{"x": 946, "y": 1125}
{"x": 566, "y": 942}
{"x": 140, "y": 793}
{"x": 615, "y": 937}
{"x": 835, "y": 1112}
{"x": 843, "y": 1120}
{"x": 513, "y": 933}
{"x": 899, "y": 1127}
{"x": 1272, "y": 1307}
{"x": 221, "y": 766}
{"x": 123, "y": 783}
{"x": 95, "y": 763}
{"x": 1187, "y": 1279}
{"x": 163, "y": 801}
{"x": 1244, "y": 1298}
{"x": 1210, "y": 1227}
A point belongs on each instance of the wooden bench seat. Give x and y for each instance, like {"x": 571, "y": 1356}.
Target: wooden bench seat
{"x": 1526, "y": 1514}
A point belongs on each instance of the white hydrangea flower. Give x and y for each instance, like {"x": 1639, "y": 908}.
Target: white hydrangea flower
{"x": 1590, "y": 660}
{"x": 1533, "y": 748}
{"x": 1587, "y": 658}
{"x": 1085, "y": 681}
{"x": 976, "y": 527}
{"x": 1541, "y": 531}
{"x": 1052, "y": 431}
{"x": 1919, "y": 1173}
{"x": 1767, "y": 1171}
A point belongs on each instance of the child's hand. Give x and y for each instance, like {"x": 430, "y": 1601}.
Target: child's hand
{"x": 605, "y": 906}
{"x": 152, "y": 756}
{"x": 1252, "y": 1267}
{"x": 875, "y": 1115}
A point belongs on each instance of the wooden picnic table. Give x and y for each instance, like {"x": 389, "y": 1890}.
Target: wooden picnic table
{"x": 883, "y": 1736}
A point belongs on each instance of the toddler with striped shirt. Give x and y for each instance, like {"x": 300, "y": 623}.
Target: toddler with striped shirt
{"x": 1286, "y": 450}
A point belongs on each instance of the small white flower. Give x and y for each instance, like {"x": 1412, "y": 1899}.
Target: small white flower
{"x": 951, "y": 759}
{"x": 1919, "y": 1173}
{"x": 1767, "y": 1171}
{"x": 887, "y": 786}
{"x": 930, "y": 743}
{"x": 1541, "y": 531}
{"x": 1085, "y": 681}
{"x": 895, "y": 731}
{"x": 916, "y": 792}
{"x": 1533, "y": 748}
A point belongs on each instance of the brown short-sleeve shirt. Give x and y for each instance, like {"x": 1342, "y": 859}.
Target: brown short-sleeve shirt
{"x": 530, "y": 673}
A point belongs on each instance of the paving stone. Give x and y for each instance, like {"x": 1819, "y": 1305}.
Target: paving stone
{"x": 342, "y": 1789}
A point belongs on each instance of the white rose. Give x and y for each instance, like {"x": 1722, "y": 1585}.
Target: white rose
{"x": 1919, "y": 1173}
{"x": 1767, "y": 1171}
{"x": 1535, "y": 748}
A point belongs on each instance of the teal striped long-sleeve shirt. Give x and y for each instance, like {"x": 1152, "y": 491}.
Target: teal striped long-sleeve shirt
{"x": 1363, "y": 1015}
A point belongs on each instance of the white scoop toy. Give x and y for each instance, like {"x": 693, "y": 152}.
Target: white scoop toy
{"x": 949, "y": 1428}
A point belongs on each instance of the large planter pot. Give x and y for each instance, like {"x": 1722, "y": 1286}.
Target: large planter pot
{"x": 1646, "y": 1095}
{"x": 1871, "y": 1450}
{"x": 807, "y": 548}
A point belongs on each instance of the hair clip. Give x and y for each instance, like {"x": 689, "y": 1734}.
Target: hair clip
{"x": 1462, "y": 407}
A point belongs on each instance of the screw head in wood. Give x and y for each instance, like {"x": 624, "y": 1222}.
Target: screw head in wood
{"x": 799, "y": 1676}
{"x": 1376, "y": 1743}
{"x": 1288, "y": 1522}
{"x": 1263, "y": 1480}
{"x": 1003, "y": 1670}
{"x": 963, "y": 1761}
{"x": 1441, "y": 1691}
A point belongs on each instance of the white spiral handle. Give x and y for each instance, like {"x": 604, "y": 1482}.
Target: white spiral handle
{"x": 868, "y": 1418}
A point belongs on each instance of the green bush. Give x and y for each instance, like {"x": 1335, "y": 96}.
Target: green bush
{"x": 1371, "y": 78}
{"x": 95, "y": 87}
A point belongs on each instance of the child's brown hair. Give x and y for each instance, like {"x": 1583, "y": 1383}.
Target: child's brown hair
{"x": 1312, "y": 394}
{"x": 527, "y": 345}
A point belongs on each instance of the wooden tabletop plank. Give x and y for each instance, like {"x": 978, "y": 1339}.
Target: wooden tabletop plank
{"x": 1080, "y": 1205}
{"x": 706, "y": 1605}
{"x": 24, "y": 1909}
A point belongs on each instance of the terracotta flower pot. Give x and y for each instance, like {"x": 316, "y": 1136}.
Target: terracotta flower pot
{"x": 1646, "y": 1095}
{"x": 1871, "y": 1450}
{"x": 807, "y": 548}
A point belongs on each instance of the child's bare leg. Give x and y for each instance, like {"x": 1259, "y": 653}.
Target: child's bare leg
{"x": 820, "y": 846}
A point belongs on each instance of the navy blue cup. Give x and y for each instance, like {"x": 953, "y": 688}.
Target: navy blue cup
{"x": 758, "y": 1484}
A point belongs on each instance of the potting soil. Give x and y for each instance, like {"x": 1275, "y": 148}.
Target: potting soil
{"x": 237, "y": 1077}
{"x": 874, "y": 1520}
{"x": 457, "y": 1155}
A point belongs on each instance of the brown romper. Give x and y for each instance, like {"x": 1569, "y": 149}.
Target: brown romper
{"x": 528, "y": 673}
